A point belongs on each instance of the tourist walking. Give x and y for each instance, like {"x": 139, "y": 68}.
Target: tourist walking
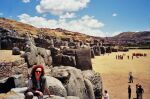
{"x": 37, "y": 84}
{"x": 106, "y": 95}
{"x": 129, "y": 92}
{"x": 130, "y": 77}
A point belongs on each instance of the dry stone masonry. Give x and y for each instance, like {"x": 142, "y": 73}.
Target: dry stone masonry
{"x": 65, "y": 61}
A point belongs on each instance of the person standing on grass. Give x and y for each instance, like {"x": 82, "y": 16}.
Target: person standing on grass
{"x": 130, "y": 77}
{"x": 137, "y": 91}
{"x": 140, "y": 91}
{"x": 129, "y": 92}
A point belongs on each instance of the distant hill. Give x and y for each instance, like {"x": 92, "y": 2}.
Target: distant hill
{"x": 132, "y": 38}
{"x": 125, "y": 38}
{"x": 23, "y": 28}
{"x": 133, "y": 35}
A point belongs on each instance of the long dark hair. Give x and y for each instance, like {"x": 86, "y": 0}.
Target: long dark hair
{"x": 42, "y": 78}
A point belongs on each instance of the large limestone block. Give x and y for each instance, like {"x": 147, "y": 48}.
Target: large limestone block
{"x": 56, "y": 87}
{"x": 30, "y": 58}
{"x": 73, "y": 81}
{"x": 96, "y": 80}
{"x": 89, "y": 87}
{"x": 83, "y": 59}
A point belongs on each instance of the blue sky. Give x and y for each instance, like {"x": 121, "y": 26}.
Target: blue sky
{"x": 92, "y": 17}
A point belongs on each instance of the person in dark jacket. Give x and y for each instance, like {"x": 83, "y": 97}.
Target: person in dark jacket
{"x": 37, "y": 83}
{"x": 137, "y": 93}
{"x": 129, "y": 92}
{"x": 140, "y": 91}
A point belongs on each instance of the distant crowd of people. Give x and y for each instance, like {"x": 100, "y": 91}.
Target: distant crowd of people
{"x": 136, "y": 55}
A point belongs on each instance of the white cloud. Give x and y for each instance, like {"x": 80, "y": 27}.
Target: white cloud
{"x": 61, "y": 7}
{"x": 67, "y": 15}
{"x": 26, "y": 1}
{"x": 114, "y": 14}
{"x": 37, "y": 21}
{"x": 116, "y": 33}
{"x": 85, "y": 24}
{"x": 1, "y": 14}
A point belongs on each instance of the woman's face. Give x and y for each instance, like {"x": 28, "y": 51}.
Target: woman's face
{"x": 38, "y": 72}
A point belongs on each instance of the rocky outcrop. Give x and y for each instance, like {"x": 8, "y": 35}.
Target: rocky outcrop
{"x": 82, "y": 86}
{"x": 65, "y": 82}
{"x": 103, "y": 49}
{"x": 36, "y": 55}
{"x": 7, "y": 85}
{"x": 10, "y": 37}
{"x": 92, "y": 53}
{"x": 79, "y": 58}
{"x": 96, "y": 81}
{"x": 56, "y": 87}
{"x": 89, "y": 87}
{"x": 14, "y": 81}
{"x": 83, "y": 59}
{"x": 16, "y": 51}
{"x": 8, "y": 69}
{"x": 108, "y": 49}
{"x": 69, "y": 83}
{"x": 75, "y": 81}
{"x": 96, "y": 50}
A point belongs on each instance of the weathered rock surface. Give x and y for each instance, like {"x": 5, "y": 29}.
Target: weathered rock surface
{"x": 15, "y": 81}
{"x": 56, "y": 87}
{"x": 8, "y": 69}
{"x": 70, "y": 81}
{"x": 15, "y": 51}
{"x": 83, "y": 59}
{"x": 74, "y": 82}
{"x": 96, "y": 81}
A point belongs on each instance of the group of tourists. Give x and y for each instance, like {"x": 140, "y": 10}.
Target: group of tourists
{"x": 136, "y": 55}
{"x": 139, "y": 89}
{"x": 139, "y": 54}
{"x": 119, "y": 57}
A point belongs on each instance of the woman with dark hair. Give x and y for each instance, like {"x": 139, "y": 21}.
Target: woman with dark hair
{"x": 37, "y": 83}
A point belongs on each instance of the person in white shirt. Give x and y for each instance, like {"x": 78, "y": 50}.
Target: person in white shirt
{"x": 106, "y": 95}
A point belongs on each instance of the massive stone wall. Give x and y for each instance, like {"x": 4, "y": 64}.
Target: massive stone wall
{"x": 70, "y": 75}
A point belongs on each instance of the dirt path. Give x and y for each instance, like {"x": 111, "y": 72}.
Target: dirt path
{"x": 6, "y": 56}
{"x": 115, "y": 73}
